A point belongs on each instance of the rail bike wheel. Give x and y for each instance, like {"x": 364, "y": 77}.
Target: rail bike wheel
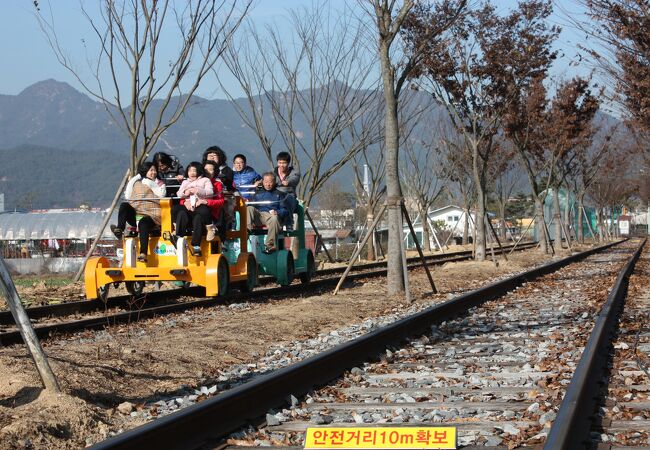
{"x": 285, "y": 267}
{"x": 223, "y": 276}
{"x": 306, "y": 276}
{"x": 102, "y": 292}
{"x": 134, "y": 287}
{"x": 252, "y": 275}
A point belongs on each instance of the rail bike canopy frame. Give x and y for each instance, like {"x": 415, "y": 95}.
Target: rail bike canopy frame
{"x": 166, "y": 262}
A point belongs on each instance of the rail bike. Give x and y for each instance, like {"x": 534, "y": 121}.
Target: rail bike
{"x": 235, "y": 258}
{"x": 284, "y": 264}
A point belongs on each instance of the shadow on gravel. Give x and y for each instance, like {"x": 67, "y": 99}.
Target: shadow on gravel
{"x": 110, "y": 399}
{"x": 23, "y": 396}
{"x": 114, "y": 370}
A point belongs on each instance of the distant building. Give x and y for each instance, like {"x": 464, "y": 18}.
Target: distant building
{"x": 55, "y": 232}
{"x": 449, "y": 219}
{"x": 453, "y": 217}
{"x": 334, "y": 219}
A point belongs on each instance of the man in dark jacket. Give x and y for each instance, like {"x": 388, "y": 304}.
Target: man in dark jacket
{"x": 268, "y": 208}
{"x": 170, "y": 171}
{"x": 287, "y": 178}
{"x": 217, "y": 155}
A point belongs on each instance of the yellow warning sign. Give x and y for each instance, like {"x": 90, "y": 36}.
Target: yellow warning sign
{"x": 388, "y": 437}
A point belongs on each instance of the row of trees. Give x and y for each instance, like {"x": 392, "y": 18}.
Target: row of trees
{"x": 360, "y": 84}
{"x": 490, "y": 74}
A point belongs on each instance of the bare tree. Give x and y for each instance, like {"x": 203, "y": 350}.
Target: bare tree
{"x": 370, "y": 168}
{"x": 395, "y": 70}
{"x": 472, "y": 73}
{"x": 143, "y": 94}
{"x": 611, "y": 189}
{"x": 335, "y": 204}
{"x": 456, "y": 170}
{"x": 369, "y": 173}
{"x": 420, "y": 179}
{"x": 570, "y": 122}
{"x": 586, "y": 169}
{"x": 310, "y": 88}
{"x": 370, "y": 187}
{"x": 506, "y": 179}
{"x": 143, "y": 91}
{"x": 621, "y": 29}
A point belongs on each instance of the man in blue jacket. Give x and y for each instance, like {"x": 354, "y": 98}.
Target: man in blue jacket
{"x": 244, "y": 175}
{"x": 268, "y": 209}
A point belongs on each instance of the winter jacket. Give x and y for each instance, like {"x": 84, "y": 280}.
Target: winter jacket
{"x": 216, "y": 202}
{"x": 159, "y": 190}
{"x": 203, "y": 183}
{"x": 278, "y": 198}
{"x": 293, "y": 178}
{"x": 226, "y": 175}
{"x": 147, "y": 207}
{"x": 245, "y": 177}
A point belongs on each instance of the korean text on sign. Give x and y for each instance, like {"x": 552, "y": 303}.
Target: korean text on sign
{"x": 389, "y": 438}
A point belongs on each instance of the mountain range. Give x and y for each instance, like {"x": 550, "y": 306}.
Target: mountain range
{"x": 54, "y": 114}
{"x": 51, "y": 128}
{"x": 60, "y": 148}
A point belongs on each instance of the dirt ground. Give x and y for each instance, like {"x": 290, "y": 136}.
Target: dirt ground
{"x": 159, "y": 357}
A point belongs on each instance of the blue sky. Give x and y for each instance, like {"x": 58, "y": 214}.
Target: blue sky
{"x": 27, "y": 58}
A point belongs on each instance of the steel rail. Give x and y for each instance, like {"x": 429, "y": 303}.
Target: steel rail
{"x": 147, "y": 312}
{"x": 216, "y": 417}
{"x": 571, "y": 428}
{"x": 88, "y": 306}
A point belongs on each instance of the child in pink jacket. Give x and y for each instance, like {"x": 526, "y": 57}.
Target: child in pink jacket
{"x": 191, "y": 212}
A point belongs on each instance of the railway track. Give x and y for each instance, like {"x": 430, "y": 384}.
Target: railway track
{"x": 621, "y": 419}
{"x": 126, "y": 309}
{"x": 495, "y": 362}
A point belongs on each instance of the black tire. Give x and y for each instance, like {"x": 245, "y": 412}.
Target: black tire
{"x": 102, "y": 292}
{"x": 252, "y": 275}
{"x": 291, "y": 270}
{"x": 305, "y": 277}
{"x": 223, "y": 275}
{"x": 134, "y": 287}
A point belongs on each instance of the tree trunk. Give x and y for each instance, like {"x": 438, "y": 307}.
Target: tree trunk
{"x": 615, "y": 228}
{"x": 539, "y": 224}
{"x": 393, "y": 189}
{"x": 503, "y": 231}
{"x": 557, "y": 215}
{"x": 580, "y": 235}
{"x": 600, "y": 225}
{"x": 426, "y": 236}
{"x": 466, "y": 227}
{"x": 479, "y": 223}
{"x": 568, "y": 220}
{"x": 607, "y": 217}
{"x": 479, "y": 220}
{"x": 370, "y": 247}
